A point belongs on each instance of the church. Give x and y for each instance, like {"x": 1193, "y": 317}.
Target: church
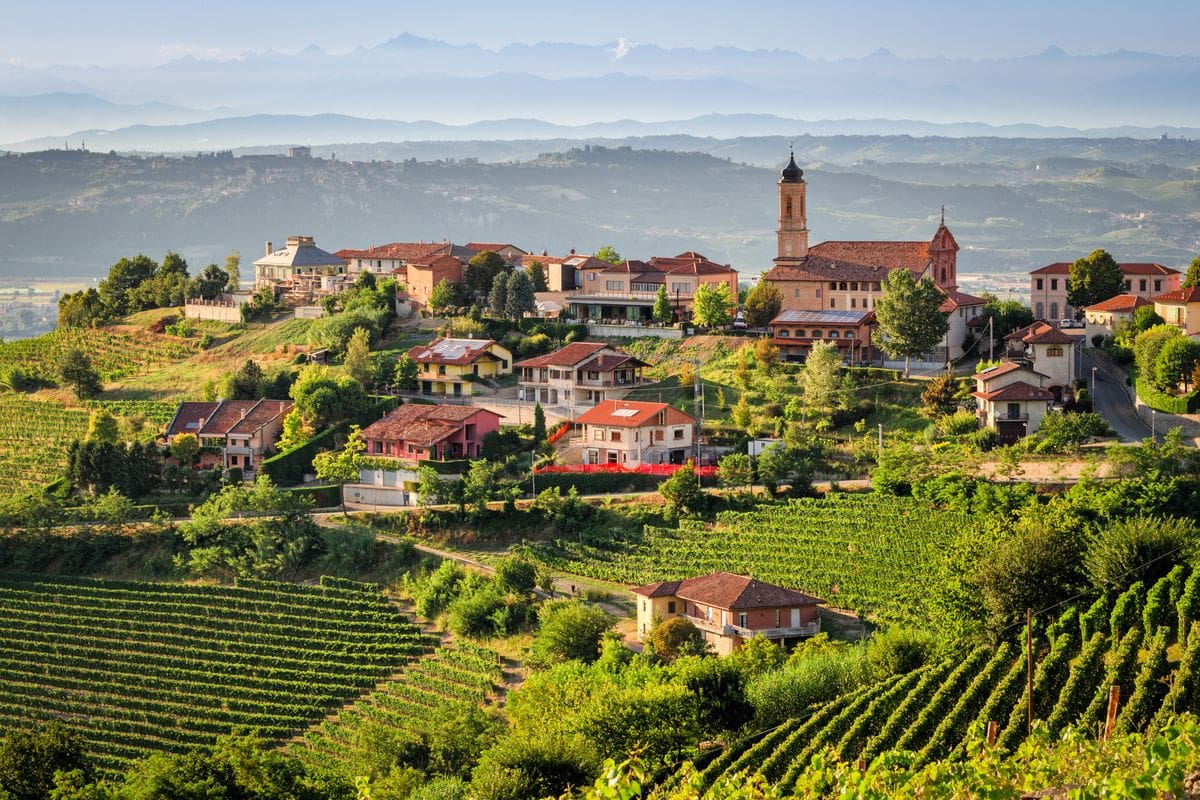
{"x": 830, "y": 289}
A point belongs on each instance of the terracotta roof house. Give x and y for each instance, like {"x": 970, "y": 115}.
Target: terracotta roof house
{"x": 1011, "y": 398}
{"x": 794, "y": 333}
{"x": 632, "y": 433}
{"x": 415, "y": 432}
{"x": 1180, "y": 307}
{"x": 300, "y": 272}
{"x": 509, "y": 252}
{"x": 729, "y": 609}
{"x": 625, "y": 293}
{"x": 456, "y": 367}
{"x": 1048, "y": 286}
{"x": 243, "y": 430}
{"x": 422, "y": 275}
{"x": 389, "y": 259}
{"x": 581, "y": 373}
{"x": 847, "y": 276}
{"x": 1048, "y": 351}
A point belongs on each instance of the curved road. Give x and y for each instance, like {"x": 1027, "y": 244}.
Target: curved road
{"x": 1111, "y": 400}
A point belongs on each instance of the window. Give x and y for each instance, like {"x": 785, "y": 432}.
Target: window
{"x": 615, "y": 436}
{"x": 832, "y": 303}
{"x": 777, "y": 618}
{"x": 670, "y": 606}
{"x": 1038, "y": 312}
{"x": 842, "y": 286}
{"x": 819, "y": 293}
{"x": 742, "y": 619}
{"x": 783, "y": 333}
{"x": 848, "y": 335}
{"x": 787, "y": 208}
{"x": 658, "y": 435}
{"x": 1128, "y": 285}
{"x": 853, "y": 303}
{"x": 1158, "y": 286}
{"x": 681, "y": 288}
{"x": 816, "y": 334}
{"x": 1014, "y": 410}
{"x": 1142, "y": 285}
{"x": 678, "y": 433}
{"x": 1054, "y": 284}
{"x": 833, "y": 285}
{"x": 376, "y": 447}
{"x": 1037, "y": 284}
{"x": 797, "y": 292}
{"x": 593, "y": 375}
{"x": 833, "y": 334}
{"x": 800, "y": 333}
{"x": 614, "y": 286}
{"x": 441, "y": 369}
{"x": 1054, "y": 311}
{"x": 591, "y": 276}
{"x": 1054, "y": 350}
{"x": 598, "y": 434}
{"x": 854, "y": 286}
{"x": 875, "y": 287}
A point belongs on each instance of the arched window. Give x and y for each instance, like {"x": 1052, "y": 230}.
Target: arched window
{"x": 787, "y": 208}
{"x": 833, "y": 334}
{"x": 816, "y": 334}
{"x": 783, "y": 333}
{"x": 800, "y": 333}
{"x": 943, "y": 274}
{"x": 842, "y": 286}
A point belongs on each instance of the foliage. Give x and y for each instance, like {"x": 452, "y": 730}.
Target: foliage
{"x": 1145, "y": 318}
{"x": 1140, "y": 548}
{"x": 940, "y": 396}
{"x": 102, "y": 427}
{"x": 357, "y": 360}
{"x": 1148, "y": 345}
{"x": 712, "y": 305}
{"x": 29, "y": 760}
{"x": 1035, "y": 568}
{"x": 341, "y": 466}
{"x": 662, "y": 312}
{"x": 910, "y": 323}
{"x": 406, "y": 372}
{"x": 76, "y": 371}
{"x": 735, "y": 470}
{"x": 1175, "y": 363}
{"x": 515, "y": 574}
{"x": 481, "y": 271}
{"x": 608, "y": 253}
{"x": 682, "y": 491}
{"x": 677, "y": 637}
{"x": 1066, "y": 431}
{"x": 335, "y": 332}
{"x": 519, "y": 298}
{"x": 323, "y": 398}
{"x": 568, "y": 629}
{"x": 1006, "y": 315}
{"x": 537, "y": 276}
{"x": 443, "y": 296}
{"x": 821, "y": 378}
{"x": 763, "y": 304}
{"x": 96, "y": 467}
{"x": 498, "y": 295}
{"x": 1094, "y": 279}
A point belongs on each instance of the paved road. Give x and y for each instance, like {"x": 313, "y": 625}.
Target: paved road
{"x": 1111, "y": 401}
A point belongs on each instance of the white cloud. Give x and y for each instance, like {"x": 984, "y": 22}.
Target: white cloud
{"x": 623, "y": 47}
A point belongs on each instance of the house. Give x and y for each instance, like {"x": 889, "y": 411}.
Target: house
{"x": 1048, "y": 286}
{"x": 1180, "y": 307}
{"x": 301, "y": 272}
{"x": 509, "y": 252}
{"x": 632, "y": 433}
{"x": 1050, "y": 352}
{"x": 625, "y": 293}
{"x": 1104, "y": 317}
{"x": 563, "y": 273}
{"x": 414, "y": 432}
{"x": 581, "y": 373}
{"x": 422, "y": 276}
{"x": 1011, "y": 398}
{"x": 729, "y": 609}
{"x": 794, "y": 333}
{"x": 454, "y": 366}
{"x": 848, "y": 275}
{"x": 391, "y": 259}
{"x": 243, "y": 431}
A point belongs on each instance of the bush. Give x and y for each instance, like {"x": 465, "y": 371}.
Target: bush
{"x": 1140, "y": 548}
{"x": 1160, "y": 401}
{"x": 960, "y": 423}
{"x": 677, "y": 637}
{"x": 896, "y": 651}
{"x": 568, "y": 629}
{"x": 1064, "y": 432}
{"x": 516, "y": 575}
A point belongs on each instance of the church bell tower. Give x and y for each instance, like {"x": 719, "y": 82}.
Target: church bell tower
{"x": 793, "y": 215}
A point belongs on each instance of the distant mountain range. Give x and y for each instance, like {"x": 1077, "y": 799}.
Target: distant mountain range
{"x": 413, "y": 78}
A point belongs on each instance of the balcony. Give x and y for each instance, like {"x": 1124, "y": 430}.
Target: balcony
{"x": 811, "y": 629}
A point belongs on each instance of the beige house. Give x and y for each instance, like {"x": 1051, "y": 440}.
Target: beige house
{"x": 631, "y": 433}
{"x": 729, "y": 609}
{"x": 1180, "y": 307}
{"x": 301, "y": 272}
{"x": 244, "y": 431}
{"x": 626, "y": 292}
{"x": 582, "y": 373}
{"x": 456, "y": 366}
{"x": 1010, "y": 398}
{"x": 1048, "y": 286}
{"x": 1048, "y": 351}
{"x": 1104, "y": 317}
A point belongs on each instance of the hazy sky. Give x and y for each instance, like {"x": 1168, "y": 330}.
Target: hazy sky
{"x": 137, "y": 31}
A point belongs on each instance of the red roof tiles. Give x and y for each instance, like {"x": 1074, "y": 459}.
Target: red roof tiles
{"x": 1015, "y": 392}
{"x": 401, "y": 251}
{"x": 1127, "y": 268}
{"x": 1190, "y": 294}
{"x": 567, "y": 356}
{"x": 451, "y": 351}
{"x": 731, "y": 592}
{"x": 422, "y": 425}
{"x": 631, "y": 414}
{"x": 1122, "y": 303}
{"x": 912, "y": 256}
{"x": 1002, "y": 369}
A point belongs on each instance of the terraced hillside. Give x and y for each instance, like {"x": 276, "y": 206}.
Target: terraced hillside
{"x": 868, "y": 553}
{"x": 1145, "y": 642}
{"x": 141, "y": 667}
{"x": 115, "y": 353}
{"x": 33, "y": 441}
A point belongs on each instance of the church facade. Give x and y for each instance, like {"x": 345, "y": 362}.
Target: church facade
{"x": 836, "y": 277}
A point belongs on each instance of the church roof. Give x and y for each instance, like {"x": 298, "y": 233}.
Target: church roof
{"x": 791, "y": 173}
{"x": 912, "y": 256}
{"x": 816, "y": 268}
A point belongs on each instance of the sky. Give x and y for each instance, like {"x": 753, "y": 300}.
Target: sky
{"x": 152, "y": 31}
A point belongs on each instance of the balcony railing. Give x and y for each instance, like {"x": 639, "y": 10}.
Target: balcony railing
{"x": 811, "y": 629}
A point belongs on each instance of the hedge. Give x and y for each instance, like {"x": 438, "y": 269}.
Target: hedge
{"x": 322, "y": 496}
{"x": 1161, "y": 401}
{"x": 601, "y": 482}
{"x": 290, "y": 466}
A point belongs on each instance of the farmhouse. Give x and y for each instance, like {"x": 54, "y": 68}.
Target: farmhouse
{"x": 1011, "y": 398}
{"x": 729, "y": 609}
{"x": 1050, "y": 352}
{"x": 421, "y": 432}
{"x": 581, "y": 373}
{"x": 454, "y": 366}
{"x": 794, "y": 333}
{"x": 631, "y": 433}
{"x": 1105, "y": 316}
{"x": 1048, "y": 286}
{"x": 1180, "y": 307}
{"x": 244, "y": 431}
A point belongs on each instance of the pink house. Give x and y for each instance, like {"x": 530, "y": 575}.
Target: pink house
{"x": 415, "y": 432}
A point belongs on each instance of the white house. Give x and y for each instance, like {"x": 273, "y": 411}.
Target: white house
{"x": 631, "y": 433}
{"x": 1011, "y": 398}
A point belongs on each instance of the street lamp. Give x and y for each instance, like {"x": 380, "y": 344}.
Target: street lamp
{"x": 1093, "y": 384}
{"x": 1153, "y": 420}
{"x": 881, "y": 440}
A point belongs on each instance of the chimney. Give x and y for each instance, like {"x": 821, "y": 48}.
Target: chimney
{"x": 269, "y": 249}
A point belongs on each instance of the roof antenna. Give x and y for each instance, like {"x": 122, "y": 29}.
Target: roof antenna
{"x": 943, "y": 213}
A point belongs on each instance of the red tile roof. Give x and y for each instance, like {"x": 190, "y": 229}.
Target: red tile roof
{"x": 815, "y": 268}
{"x": 1127, "y": 268}
{"x": 1121, "y": 303}
{"x": 437, "y": 262}
{"x": 263, "y": 413}
{"x": 610, "y": 361}
{"x": 683, "y": 264}
{"x": 190, "y": 417}
{"x": 956, "y": 299}
{"x": 631, "y": 414}
{"x": 567, "y": 356}
{"x": 1002, "y": 369}
{"x": 402, "y": 251}
{"x": 912, "y": 256}
{"x": 1191, "y": 294}
{"x": 1051, "y": 336}
{"x": 246, "y": 416}
{"x": 451, "y": 351}
{"x": 422, "y": 425}
{"x": 492, "y": 246}
{"x": 1021, "y": 333}
{"x": 1014, "y": 392}
{"x": 731, "y": 592}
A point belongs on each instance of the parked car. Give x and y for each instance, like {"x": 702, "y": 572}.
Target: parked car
{"x": 1071, "y": 323}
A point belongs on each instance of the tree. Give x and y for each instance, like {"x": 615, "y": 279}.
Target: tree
{"x": 784, "y": 464}
{"x": 539, "y": 425}
{"x": 1035, "y": 568}
{"x": 910, "y": 323}
{"x": 482, "y": 269}
{"x": 358, "y": 356}
{"x": 763, "y": 304}
{"x": 940, "y": 396}
{"x": 209, "y": 284}
{"x": 821, "y": 378}
{"x": 443, "y": 296}
{"x": 1006, "y": 315}
{"x": 677, "y": 637}
{"x": 608, "y": 253}
{"x": 123, "y": 277}
{"x": 479, "y": 484}
{"x": 1175, "y": 363}
{"x": 185, "y": 448}
{"x": 662, "y": 312}
{"x": 334, "y": 332}
{"x": 323, "y": 398}
{"x": 341, "y": 465}
{"x": 1146, "y": 347}
{"x": 682, "y": 491}
{"x": 1094, "y": 279}
{"x": 1140, "y": 548}
{"x": 742, "y": 415}
{"x": 735, "y": 470}
{"x": 766, "y": 356}
{"x": 233, "y": 268}
{"x": 76, "y": 371}
{"x": 498, "y": 296}
{"x": 1192, "y": 276}
{"x": 366, "y": 280}
{"x": 712, "y": 305}
{"x": 405, "y": 374}
{"x": 520, "y": 300}
{"x": 1145, "y": 318}
{"x": 246, "y": 383}
{"x": 83, "y": 309}
{"x": 102, "y": 427}
{"x": 29, "y": 760}
{"x": 568, "y": 630}
{"x": 515, "y": 574}
{"x": 537, "y": 276}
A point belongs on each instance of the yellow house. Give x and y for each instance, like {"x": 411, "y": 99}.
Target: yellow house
{"x": 456, "y": 366}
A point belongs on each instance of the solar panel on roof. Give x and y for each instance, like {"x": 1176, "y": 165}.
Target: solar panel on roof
{"x": 825, "y": 317}
{"x": 625, "y": 412}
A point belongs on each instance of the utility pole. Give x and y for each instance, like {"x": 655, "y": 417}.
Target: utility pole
{"x": 1029, "y": 671}
{"x": 991, "y": 338}
{"x": 698, "y": 407}
{"x": 881, "y": 440}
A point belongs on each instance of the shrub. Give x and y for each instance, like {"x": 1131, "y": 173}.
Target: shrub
{"x": 677, "y": 637}
{"x": 567, "y": 630}
{"x": 1141, "y": 548}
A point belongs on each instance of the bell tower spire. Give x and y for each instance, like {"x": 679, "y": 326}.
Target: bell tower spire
{"x": 792, "y": 232}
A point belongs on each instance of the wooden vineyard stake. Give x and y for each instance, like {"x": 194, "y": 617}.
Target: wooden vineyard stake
{"x": 1110, "y": 721}
{"x": 993, "y": 730}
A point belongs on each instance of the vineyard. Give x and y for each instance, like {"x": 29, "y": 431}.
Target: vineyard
{"x": 114, "y": 354}
{"x": 156, "y": 413}
{"x": 1144, "y": 642}
{"x": 868, "y": 553}
{"x": 441, "y": 687}
{"x": 136, "y": 668}
{"x": 33, "y": 441}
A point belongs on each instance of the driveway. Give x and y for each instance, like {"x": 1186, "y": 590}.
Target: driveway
{"x": 1111, "y": 400}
